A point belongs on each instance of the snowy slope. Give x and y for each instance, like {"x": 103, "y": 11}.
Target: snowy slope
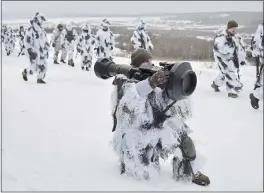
{"x": 58, "y": 136}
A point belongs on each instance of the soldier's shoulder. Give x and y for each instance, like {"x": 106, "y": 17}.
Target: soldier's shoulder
{"x": 220, "y": 34}
{"x": 238, "y": 36}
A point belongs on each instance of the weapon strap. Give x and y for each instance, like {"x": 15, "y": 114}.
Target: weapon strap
{"x": 162, "y": 113}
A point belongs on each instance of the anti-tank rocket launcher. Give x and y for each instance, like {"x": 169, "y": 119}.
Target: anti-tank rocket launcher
{"x": 182, "y": 79}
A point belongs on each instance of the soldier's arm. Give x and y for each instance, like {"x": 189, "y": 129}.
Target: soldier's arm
{"x": 29, "y": 39}
{"x": 135, "y": 39}
{"x": 221, "y": 46}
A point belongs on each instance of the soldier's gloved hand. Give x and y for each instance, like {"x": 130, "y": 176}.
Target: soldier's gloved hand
{"x": 32, "y": 54}
{"x": 150, "y": 48}
{"x": 242, "y": 63}
{"x": 53, "y": 45}
{"x": 159, "y": 78}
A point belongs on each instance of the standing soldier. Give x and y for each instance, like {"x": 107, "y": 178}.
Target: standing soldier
{"x": 9, "y": 41}
{"x": 106, "y": 42}
{"x": 258, "y": 46}
{"x": 229, "y": 53}
{"x": 85, "y": 46}
{"x": 37, "y": 45}
{"x": 70, "y": 36}
{"x": 140, "y": 38}
{"x": 3, "y": 33}
{"x": 57, "y": 41}
{"x": 21, "y": 35}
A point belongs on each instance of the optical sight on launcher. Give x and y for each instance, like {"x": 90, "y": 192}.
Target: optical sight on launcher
{"x": 182, "y": 79}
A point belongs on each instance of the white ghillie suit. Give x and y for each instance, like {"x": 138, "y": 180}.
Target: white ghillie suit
{"x": 70, "y": 36}
{"x": 142, "y": 135}
{"x": 140, "y": 38}
{"x": 21, "y": 36}
{"x": 257, "y": 44}
{"x": 86, "y": 45}
{"x": 229, "y": 54}
{"x": 37, "y": 46}
{"x": 9, "y": 41}
{"x": 106, "y": 42}
{"x": 57, "y": 39}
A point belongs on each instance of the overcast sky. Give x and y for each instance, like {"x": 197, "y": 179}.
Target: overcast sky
{"x": 25, "y": 9}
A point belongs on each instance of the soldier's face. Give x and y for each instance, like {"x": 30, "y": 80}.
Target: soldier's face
{"x": 232, "y": 30}
{"x": 149, "y": 62}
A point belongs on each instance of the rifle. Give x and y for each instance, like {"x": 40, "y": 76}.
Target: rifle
{"x": 236, "y": 63}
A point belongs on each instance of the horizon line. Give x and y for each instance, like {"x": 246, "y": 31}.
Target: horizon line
{"x": 136, "y": 15}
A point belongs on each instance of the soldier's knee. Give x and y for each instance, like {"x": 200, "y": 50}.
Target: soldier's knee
{"x": 187, "y": 148}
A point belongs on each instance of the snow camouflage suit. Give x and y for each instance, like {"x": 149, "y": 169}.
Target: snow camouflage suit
{"x": 70, "y": 36}
{"x": 138, "y": 144}
{"x": 229, "y": 54}
{"x": 105, "y": 39}
{"x": 86, "y": 45}
{"x": 140, "y": 38}
{"x": 57, "y": 38}
{"x": 9, "y": 38}
{"x": 258, "y": 43}
{"x": 21, "y": 36}
{"x": 37, "y": 46}
{"x": 258, "y": 53}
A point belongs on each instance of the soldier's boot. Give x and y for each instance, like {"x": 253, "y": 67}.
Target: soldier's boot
{"x": 55, "y": 62}
{"x": 254, "y": 101}
{"x": 24, "y": 75}
{"x": 63, "y": 61}
{"x": 232, "y": 95}
{"x": 40, "y": 81}
{"x": 182, "y": 170}
{"x": 215, "y": 87}
{"x": 200, "y": 179}
{"x": 70, "y": 62}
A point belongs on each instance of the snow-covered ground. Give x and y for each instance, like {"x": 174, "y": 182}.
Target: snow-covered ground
{"x": 58, "y": 136}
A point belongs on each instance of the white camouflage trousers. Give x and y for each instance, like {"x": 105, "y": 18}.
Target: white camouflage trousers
{"x": 67, "y": 49}
{"x": 57, "y": 49}
{"x": 228, "y": 76}
{"x": 38, "y": 65}
{"x": 87, "y": 60}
